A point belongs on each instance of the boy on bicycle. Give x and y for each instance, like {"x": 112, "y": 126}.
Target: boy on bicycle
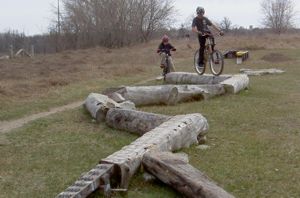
{"x": 165, "y": 49}
{"x": 200, "y": 26}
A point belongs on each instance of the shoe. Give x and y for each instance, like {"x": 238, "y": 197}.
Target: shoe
{"x": 162, "y": 66}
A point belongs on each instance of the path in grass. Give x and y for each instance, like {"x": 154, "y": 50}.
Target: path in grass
{"x": 10, "y": 125}
{"x": 7, "y": 126}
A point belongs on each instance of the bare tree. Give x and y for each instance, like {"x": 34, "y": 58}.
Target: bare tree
{"x": 278, "y": 14}
{"x": 226, "y": 24}
{"x": 113, "y": 23}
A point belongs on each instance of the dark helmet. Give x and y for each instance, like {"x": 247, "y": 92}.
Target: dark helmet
{"x": 200, "y": 10}
{"x": 165, "y": 38}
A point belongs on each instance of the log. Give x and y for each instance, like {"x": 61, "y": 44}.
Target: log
{"x": 98, "y": 105}
{"x": 88, "y": 183}
{"x": 193, "y": 78}
{"x": 150, "y": 95}
{"x": 134, "y": 121}
{"x": 167, "y": 94}
{"x": 181, "y": 176}
{"x": 198, "y": 92}
{"x": 174, "y": 134}
{"x": 236, "y": 83}
{"x": 260, "y": 72}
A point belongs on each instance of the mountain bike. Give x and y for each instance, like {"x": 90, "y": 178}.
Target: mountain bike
{"x": 166, "y": 68}
{"x": 212, "y": 56}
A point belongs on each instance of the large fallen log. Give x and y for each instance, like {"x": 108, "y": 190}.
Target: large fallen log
{"x": 134, "y": 121}
{"x": 167, "y": 94}
{"x": 177, "y": 133}
{"x": 193, "y": 78}
{"x": 98, "y": 105}
{"x": 181, "y": 176}
{"x": 149, "y": 95}
{"x": 236, "y": 83}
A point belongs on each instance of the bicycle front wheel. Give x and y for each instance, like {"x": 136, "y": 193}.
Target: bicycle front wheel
{"x": 216, "y": 62}
{"x": 199, "y": 70}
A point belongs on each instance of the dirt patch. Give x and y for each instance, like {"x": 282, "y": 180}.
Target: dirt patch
{"x": 275, "y": 57}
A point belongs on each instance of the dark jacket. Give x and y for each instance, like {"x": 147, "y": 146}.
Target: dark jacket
{"x": 166, "y": 48}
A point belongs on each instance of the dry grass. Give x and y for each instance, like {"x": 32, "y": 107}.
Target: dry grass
{"x": 26, "y": 81}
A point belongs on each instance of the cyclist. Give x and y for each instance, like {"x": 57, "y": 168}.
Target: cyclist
{"x": 165, "y": 49}
{"x": 200, "y": 26}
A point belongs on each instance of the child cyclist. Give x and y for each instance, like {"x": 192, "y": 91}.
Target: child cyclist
{"x": 164, "y": 49}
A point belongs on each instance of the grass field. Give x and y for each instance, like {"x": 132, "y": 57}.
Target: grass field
{"x": 254, "y": 136}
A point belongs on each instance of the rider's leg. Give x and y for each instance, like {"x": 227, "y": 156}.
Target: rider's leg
{"x": 171, "y": 64}
{"x": 202, "y": 41}
{"x": 163, "y": 60}
{"x": 213, "y": 43}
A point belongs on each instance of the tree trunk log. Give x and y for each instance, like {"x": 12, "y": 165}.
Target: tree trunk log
{"x": 181, "y": 176}
{"x": 150, "y": 95}
{"x": 134, "y": 121}
{"x": 236, "y": 83}
{"x": 98, "y": 105}
{"x": 175, "y": 134}
{"x": 168, "y": 94}
{"x": 194, "y": 79}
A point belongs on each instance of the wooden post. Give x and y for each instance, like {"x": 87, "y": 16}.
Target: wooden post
{"x": 32, "y": 51}
{"x": 11, "y": 51}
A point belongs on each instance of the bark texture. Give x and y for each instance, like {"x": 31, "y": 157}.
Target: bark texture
{"x": 181, "y": 176}
{"x": 236, "y": 83}
{"x": 134, "y": 121}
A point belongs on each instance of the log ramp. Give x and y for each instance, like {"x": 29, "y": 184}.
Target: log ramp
{"x": 160, "y": 135}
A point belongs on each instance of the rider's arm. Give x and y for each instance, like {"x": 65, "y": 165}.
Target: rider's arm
{"x": 172, "y": 48}
{"x": 195, "y": 29}
{"x": 160, "y": 48}
{"x": 217, "y": 29}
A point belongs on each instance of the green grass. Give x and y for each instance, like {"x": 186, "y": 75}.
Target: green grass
{"x": 13, "y": 109}
{"x": 254, "y": 141}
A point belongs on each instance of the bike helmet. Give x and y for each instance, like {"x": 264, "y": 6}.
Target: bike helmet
{"x": 200, "y": 10}
{"x": 165, "y": 39}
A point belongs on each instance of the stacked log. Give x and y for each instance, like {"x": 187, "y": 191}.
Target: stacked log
{"x": 98, "y": 105}
{"x": 194, "y": 79}
{"x": 178, "y": 174}
{"x": 236, "y": 83}
{"x": 176, "y": 133}
{"x": 167, "y": 94}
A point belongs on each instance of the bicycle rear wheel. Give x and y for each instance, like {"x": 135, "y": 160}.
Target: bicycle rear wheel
{"x": 216, "y": 62}
{"x": 166, "y": 69}
{"x": 199, "y": 70}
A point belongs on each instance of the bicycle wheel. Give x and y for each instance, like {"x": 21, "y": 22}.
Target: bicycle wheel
{"x": 166, "y": 69}
{"x": 199, "y": 70}
{"x": 216, "y": 62}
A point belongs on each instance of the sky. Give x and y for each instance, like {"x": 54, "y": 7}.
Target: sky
{"x": 33, "y": 16}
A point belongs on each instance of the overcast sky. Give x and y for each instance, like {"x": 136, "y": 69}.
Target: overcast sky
{"x": 33, "y": 16}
